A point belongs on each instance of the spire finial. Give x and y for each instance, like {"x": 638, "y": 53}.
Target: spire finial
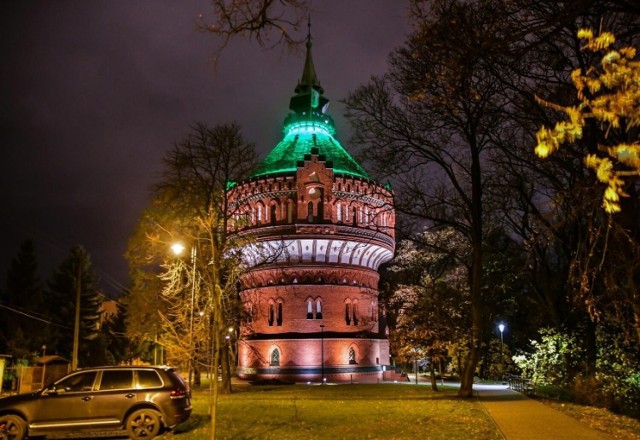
{"x": 309, "y": 31}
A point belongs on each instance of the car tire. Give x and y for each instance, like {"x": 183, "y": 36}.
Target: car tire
{"x": 12, "y": 427}
{"x": 143, "y": 424}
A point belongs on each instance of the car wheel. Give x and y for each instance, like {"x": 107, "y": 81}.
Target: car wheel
{"x": 143, "y": 423}
{"x": 12, "y": 428}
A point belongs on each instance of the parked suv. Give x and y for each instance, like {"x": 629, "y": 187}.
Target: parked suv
{"x": 141, "y": 400}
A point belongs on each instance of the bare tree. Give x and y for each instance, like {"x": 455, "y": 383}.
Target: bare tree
{"x": 428, "y": 126}
{"x": 190, "y": 205}
{"x": 269, "y": 22}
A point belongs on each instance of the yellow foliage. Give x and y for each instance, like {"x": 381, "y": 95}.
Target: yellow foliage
{"x": 585, "y": 34}
{"x": 604, "y": 172}
{"x": 610, "y": 96}
{"x": 611, "y": 57}
{"x": 628, "y": 52}
{"x": 629, "y": 154}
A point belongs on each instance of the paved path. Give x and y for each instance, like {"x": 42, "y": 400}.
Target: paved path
{"x": 521, "y": 418}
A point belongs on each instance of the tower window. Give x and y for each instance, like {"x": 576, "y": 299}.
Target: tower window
{"x": 347, "y": 313}
{"x": 279, "y": 320}
{"x": 275, "y": 358}
{"x": 309, "y": 309}
{"x": 272, "y": 214}
{"x": 310, "y": 212}
{"x": 318, "y": 309}
{"x": 354, "y": 308}
{"x": 248, "y": 312}
{"x": 259, "y": 212}
{"x": 289, "y": 211}
{"x": 272, "y": 312}
{"x": 352, "y": 356}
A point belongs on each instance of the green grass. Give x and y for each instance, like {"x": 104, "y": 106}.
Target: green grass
{"x": 387, "y": 411}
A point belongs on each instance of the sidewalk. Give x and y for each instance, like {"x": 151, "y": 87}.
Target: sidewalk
{"x": 521, "y": 418}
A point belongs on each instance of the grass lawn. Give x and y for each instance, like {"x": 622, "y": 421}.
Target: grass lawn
{"x": 336, "y": 412}
{"x": 614, "y": 425}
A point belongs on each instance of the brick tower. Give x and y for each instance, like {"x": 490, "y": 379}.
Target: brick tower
{"x": 316, "y": 229}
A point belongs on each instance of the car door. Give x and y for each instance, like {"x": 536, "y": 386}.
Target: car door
{"x": 67, "y": 404}
{"x": 114, "y": 395}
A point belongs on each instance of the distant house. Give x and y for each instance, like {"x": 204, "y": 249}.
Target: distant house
{"x": 47, "y": 369}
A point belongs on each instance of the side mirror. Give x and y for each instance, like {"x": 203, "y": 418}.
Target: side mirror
{"x": 50, "y": 391}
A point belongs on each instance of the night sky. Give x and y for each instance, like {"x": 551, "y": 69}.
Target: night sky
{"x": 93, "y": 93}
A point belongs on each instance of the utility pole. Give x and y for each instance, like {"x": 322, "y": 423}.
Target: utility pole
{"x": 76, "y": 327}
{"x": 322, "y": 381}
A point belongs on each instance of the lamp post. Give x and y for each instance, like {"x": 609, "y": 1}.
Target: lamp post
{"x": 177, "y": 249}
{"x": 322, "y": 354}
{"x": 501, "y": 327}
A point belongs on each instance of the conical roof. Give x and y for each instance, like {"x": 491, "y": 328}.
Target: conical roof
{"x": 307, "y": 127}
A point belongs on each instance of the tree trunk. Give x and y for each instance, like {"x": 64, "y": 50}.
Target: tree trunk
{"x": 432, "y": 367}
{"x": 475, "y": 277}
{"x": 213, "y": 398}
{"x": 226, "y": 370}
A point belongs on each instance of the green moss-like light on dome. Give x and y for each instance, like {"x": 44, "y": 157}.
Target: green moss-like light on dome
{"x": 301, "y": 135}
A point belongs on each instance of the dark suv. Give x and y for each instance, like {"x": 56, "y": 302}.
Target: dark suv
{"x": 141, "y": 400}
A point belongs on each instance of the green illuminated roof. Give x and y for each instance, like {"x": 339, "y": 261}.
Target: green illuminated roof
{"x": 307, "y": 127}
{"x": 300, "y": 137}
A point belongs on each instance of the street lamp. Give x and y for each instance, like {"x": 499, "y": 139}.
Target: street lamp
{"x": 501, "y": 327}
{"x": 177, "y": 249}
{"x": 322, "y": 380}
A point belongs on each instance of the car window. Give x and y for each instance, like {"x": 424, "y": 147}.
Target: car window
{"x": 116, "y": 379}
{"x": 149, "y": 379}
{"x": 77, "y": 382}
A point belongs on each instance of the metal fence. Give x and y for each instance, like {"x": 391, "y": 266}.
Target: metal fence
{"x": 519, "y": 383}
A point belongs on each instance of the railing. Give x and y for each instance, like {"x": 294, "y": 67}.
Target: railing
{"x": 519, "y": 383}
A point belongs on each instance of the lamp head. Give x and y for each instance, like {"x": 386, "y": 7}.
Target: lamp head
{"x": 177, "y": 248}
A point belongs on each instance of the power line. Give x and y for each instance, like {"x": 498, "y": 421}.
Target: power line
{"x": 19, "y": 312}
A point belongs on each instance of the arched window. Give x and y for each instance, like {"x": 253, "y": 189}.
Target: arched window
{"x": 289, "y": 211}
{"x": 352, "y": 356}
{"x": 259, "y": 207}
{"x": 275, "y": 358}
{"x": 339, "y": 213}
{"x": 354, "y": 308}
{"x": 272, "y": 313}
{"x": 248, "y": 312}
{"x": 309, "y": 308}
{"x": 279, "y": 317}
{"x": 320, "y": 208}
{"x": 272, "y": 213}
{"x": 354, "y": 216}
{"x": 347, "y": 312}
{"x": 318, "y": 309}
{"x": 310, "y": 212}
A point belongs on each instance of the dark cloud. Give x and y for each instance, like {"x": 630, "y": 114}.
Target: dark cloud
{"x": 94, "y": 93}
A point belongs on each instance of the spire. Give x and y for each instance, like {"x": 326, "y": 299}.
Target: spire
{"x": 309, "y": 78}
{"x": 308, "y": 98}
